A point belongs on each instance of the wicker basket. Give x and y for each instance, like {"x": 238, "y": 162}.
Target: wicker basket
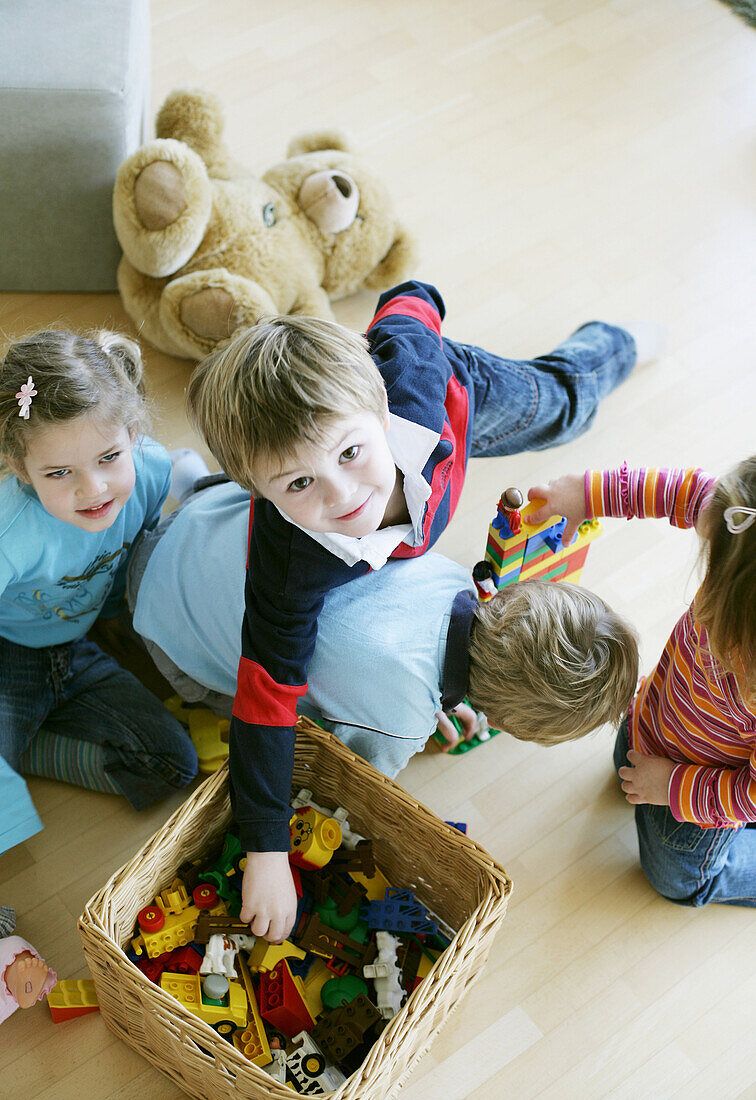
{"x": 449, "y": 873}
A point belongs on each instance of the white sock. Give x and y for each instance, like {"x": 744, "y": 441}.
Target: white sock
{"x": 186, "y": 467}
{"x": 650, "y": 339}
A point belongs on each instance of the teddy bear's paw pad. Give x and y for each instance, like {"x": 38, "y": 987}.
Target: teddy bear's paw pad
{"x": 209, "y": 313}
{"x": 160, "y": 195}
{"x": 27, "y": 979}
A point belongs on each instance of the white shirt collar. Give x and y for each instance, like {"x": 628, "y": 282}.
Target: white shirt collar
{"x": 411, "y": 446}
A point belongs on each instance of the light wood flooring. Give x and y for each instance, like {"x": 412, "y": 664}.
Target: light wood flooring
{"x": 559, "y": 160}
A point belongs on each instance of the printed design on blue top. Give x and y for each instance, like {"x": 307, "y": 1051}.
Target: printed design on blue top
{"x": 66, "y": 600}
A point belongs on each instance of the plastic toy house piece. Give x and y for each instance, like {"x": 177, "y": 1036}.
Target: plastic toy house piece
{"x": 536, "y": 550}
{"x": 72, "y": 998}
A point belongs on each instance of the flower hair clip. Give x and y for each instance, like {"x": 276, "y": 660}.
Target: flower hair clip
{"x": 735, "y": 526}
{"x": 24, "y": 397}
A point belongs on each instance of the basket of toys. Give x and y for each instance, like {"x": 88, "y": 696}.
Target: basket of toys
{"x": 449, "y": 894}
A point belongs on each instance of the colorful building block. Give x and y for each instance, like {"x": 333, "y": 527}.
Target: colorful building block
{"x": 537, "y": 551}
{"x": 71, "y": 998}
{"x": 252, "y": 1041}
{"x": 208, "y": 732}
{"x": 282, "y": 1001}
{"x": 399, "y": 911}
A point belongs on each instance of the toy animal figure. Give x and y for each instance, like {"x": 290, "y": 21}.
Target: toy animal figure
{"x": 209, "y": 248}
{"x": 221, "y": 950}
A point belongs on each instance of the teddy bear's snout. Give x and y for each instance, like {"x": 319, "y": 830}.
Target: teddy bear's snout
{"x": 330, "y": 199}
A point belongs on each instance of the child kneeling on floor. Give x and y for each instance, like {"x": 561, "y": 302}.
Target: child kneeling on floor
{"x": 686, "y": 752}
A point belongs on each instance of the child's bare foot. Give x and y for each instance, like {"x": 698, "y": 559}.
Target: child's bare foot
{"x": 25, "y": 978}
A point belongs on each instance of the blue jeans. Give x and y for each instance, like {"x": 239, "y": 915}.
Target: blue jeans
{"x": 75, "y": 690}
{"x": 532, "y": 404}
{"x": 686, "y": 863}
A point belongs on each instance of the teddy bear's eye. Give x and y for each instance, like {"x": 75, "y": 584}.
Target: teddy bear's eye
{"x": 269, "y": 214}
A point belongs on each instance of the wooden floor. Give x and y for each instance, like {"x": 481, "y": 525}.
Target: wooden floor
{"x": 559, "y": 160}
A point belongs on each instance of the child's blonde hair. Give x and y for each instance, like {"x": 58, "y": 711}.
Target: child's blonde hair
{"x": 280, "y": 384}
{"x": 726, "y": 601}
{"x": 551, "y": 662}
{"x": 73, "y": 374}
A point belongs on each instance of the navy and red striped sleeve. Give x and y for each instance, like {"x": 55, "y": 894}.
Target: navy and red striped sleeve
{"x": 288, "y": 575}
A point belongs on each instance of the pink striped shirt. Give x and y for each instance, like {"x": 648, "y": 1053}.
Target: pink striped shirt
{"x": 688, "y": 710}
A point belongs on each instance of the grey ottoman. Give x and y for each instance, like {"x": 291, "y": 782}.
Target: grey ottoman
{"x": 74, "y": 88}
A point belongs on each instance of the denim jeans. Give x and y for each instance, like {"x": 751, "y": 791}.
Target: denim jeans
{"x": 686, "y": 863}
{"x": 75, "y": 690}
{"x": 529, "y": 405}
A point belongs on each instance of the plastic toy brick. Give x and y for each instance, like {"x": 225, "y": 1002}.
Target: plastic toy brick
{"x": 359, "y": 858}
{"x": 460, "y": 826}
{"x": 328, "y": 911}
{"x": 266, "y": 956}
{"x": 252, "y": 1041}
{"x": 536, "y": 550}
{"x": 399, "y": 912}
{"x": 282, "y": 1001}
{"x": 314, "y": 980}
{"x": 376, "y": 884}
{"x": 224, "y": 1017}
{"x": 346, "y": 1030}
{"x": 212, "y": 922}
{"x": 314, "y": 838}
{"x": 322, "y": 940}
{"x": 483, "y": 733}
{"x": 175, "y": 899}
{"x": 208, "y": 732}
{"x": 69, "y": 998}
{"x": 184, "y": 960}
{"x": 176, "y": 930}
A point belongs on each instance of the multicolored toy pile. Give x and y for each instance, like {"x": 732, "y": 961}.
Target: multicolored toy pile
{"x": 308, "y": 1010}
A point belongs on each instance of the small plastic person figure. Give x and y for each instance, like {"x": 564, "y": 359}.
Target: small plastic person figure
{"x": 24, "y": 976}
{"x": 483, "y": 576}
{"x": 508, "y": 519}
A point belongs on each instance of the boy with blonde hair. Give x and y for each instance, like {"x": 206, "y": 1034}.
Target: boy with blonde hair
{"x": 355, "y": 450}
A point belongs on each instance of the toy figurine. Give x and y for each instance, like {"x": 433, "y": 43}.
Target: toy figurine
{"x": 508, "y": 519}
{"x": 24, "y": 976}
{"x": 483, "y": 576}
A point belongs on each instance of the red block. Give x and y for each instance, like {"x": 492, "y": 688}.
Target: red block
{"x": 281, "y": 1003}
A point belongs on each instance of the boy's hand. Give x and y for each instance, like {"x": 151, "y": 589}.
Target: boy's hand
{"x": 647, "y": 780}
{"x": 466, "y": 717}
{"x": 563, "y": 497}
{"x": 269, "y": 900}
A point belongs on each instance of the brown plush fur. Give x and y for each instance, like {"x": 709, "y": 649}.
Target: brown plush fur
{"x": 200, "y": 259}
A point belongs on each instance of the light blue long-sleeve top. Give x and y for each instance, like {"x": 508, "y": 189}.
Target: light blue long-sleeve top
{"x": 377, "y": 671}
{"x": 55, "y": 579}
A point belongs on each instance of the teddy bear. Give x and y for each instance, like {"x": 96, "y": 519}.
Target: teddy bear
{"x": 210, "y": 248}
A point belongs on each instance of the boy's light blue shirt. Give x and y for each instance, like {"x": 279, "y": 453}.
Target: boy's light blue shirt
{"x": 364, "y": 677}
{"x": 55, "y": 579}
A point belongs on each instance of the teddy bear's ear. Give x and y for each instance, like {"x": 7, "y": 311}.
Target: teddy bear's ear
{"x": 397, "y": 264}
{"x": 319, "y": 139}
{"x": 195, "y": 117}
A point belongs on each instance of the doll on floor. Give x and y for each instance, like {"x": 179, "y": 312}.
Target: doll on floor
{"x": 24, "y": 976}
